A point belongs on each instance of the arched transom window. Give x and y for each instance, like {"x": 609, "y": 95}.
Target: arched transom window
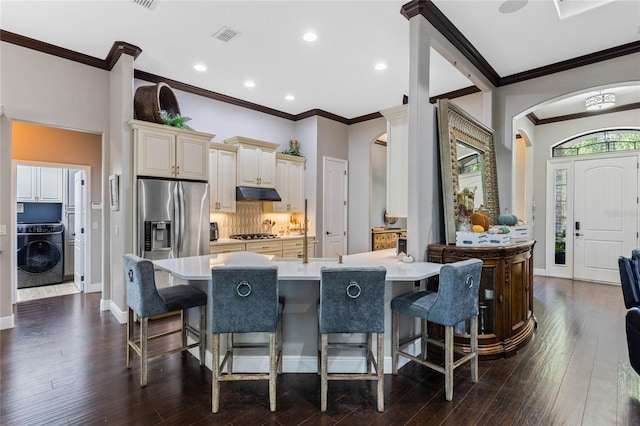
{"x": 603, "y": 141}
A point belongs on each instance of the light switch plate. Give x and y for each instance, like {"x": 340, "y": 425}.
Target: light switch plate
{"x": 3, "y": 229}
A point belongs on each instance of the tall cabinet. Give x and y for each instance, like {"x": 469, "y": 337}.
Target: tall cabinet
{"x": 289, "y": 183}
{"x": 506, "y": 321}
{"x": 222, "y": 177}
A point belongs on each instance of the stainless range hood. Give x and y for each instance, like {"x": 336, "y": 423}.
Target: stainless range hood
{"x": 249, "y": 193}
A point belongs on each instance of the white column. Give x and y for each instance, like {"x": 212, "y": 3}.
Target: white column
{"x": 424, "y": 206}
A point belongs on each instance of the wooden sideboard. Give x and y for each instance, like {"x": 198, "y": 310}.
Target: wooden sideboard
{"x": 506, "y": 321}
{"x": 382, "y": 239}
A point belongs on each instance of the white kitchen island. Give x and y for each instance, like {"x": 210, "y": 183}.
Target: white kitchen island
{"x": 299, "y": 285}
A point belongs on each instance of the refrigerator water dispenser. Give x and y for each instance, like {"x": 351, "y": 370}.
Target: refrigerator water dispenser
{"x": 157, "y": 235}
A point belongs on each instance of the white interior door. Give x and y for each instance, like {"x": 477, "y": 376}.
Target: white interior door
{"x": 79, "y": 240}
{"x": 605, "y": 216}
{"x": 334, "y": 226}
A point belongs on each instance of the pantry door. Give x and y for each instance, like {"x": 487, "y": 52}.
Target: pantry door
{"x": 605, "y": 216}
{"x": 334, "y": 223}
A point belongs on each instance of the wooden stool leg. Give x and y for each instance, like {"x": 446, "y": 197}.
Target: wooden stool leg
{"x": 144, "y": 338}
{"x": 201, "y": 335}
{"x": 380, "y": 371}
{"x": 448, "y": 362}
{"x": 184, "y": 319}
{"x": 474, "y": 348}
{"x": 130, "y": 335}
{"x": 280, "y": 344}
{"x": 215, "y": 372}
{"x": 230, "y": 352}
{"x": 395, "y": 342}
{"x": 424, "y": 337}
{"x": 368, "y": 352}
{"x": 273, "y": 359}
{"x": 323, "y": 373}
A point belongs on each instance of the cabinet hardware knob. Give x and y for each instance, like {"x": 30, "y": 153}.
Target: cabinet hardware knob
{"x": 500, "y": 298}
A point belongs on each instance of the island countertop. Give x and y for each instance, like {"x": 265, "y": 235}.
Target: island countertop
{"x": 199, "y": 267}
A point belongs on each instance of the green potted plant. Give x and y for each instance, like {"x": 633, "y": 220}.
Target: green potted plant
{"x": 175, "y": 120}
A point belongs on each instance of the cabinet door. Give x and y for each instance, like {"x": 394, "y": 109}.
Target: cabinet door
{"x": 25, "y": 183}
{"x": 226, "y": 181}
{"x": 267, "y": 159}
{"x": 296, "y": 187}
{"x": 213, "y": 179}
{"x": 156, "y": 153}
{"x": 282, "y": 186}
{"x": 225, "y": 248}
{"x": 50, "y": 182}
{"x": 248, "y": 165}
{"x": 191, "y": 157}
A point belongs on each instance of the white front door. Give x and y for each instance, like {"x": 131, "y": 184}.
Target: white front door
{"x": 79, "y": 229}
{"x": 605, "y": 216}
{"x": 334, "y": 212}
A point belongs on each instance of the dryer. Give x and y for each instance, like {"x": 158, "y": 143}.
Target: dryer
{"x": 40, "y": 254}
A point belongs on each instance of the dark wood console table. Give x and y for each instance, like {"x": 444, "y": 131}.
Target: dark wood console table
{"x": 506, "y": 321}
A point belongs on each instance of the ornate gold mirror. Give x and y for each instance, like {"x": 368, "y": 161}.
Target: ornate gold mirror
{"x": 468, "y": 163}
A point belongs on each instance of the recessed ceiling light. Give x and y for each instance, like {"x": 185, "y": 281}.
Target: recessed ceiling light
{"x": 290, "y": 97}
{"x": 381, "y": 66}
{"x": 249, "y": 83}
{"x": 310, "y": 37}
{"x": 199, "y": 67}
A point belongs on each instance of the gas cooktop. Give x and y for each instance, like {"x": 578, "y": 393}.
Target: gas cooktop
{"x": 253, "y": 236}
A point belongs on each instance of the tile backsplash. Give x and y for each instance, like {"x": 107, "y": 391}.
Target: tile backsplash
{"x": 249, "y": 218}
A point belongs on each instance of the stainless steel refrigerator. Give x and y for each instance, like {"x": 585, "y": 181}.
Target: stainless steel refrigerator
{"x": 173, "y": 218}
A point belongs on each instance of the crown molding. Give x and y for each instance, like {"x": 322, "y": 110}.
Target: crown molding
{"x": 118, "y": 49}
{"x": 540, "y": 121}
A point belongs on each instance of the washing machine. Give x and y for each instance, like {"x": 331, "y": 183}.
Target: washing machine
{"x": 40, "y": 254}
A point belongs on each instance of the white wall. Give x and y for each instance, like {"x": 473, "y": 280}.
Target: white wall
{"x": 47, "y": 90}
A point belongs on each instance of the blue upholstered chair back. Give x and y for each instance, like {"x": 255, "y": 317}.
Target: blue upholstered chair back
{"x": 352, "y": 300}
{"x": 142, "y": 294}
{"x": 633, "y": 337}
{"x": 629, "y": 281}
{"x": 244, "y": 299}
{"x": 457, "y": 298}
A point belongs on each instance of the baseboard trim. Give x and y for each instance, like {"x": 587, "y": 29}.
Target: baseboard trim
{"x": 7, "y": 322}
{"x": 119, "y": 314}
{"x": 92, "y": 287}
{"x": 540, "y": 271}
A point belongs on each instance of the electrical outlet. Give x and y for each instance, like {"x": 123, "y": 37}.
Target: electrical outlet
{"x": 20, "y": 208}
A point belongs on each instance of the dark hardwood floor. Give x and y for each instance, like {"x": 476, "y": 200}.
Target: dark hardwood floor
{"x": 64, "y": 363}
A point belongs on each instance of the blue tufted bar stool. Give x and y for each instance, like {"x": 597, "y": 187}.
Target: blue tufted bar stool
{"x": 352, "y": 301}
{"x": 455, "y": 301}
{"x": 630, "y": 279}
{"x": 244, "y": 299}
{"x": 146, "y": 300}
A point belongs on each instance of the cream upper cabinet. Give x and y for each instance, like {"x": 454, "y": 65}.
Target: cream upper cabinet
{"x": 39, "y": 184}
{"x": 256, "y": 162}
{"x": 397, "y": 160}
{"x": 222, "y": 178}
{"x": 289, "y": 183}
{"x": 164, "y": 151}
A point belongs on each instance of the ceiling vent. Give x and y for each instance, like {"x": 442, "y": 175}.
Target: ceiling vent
{"x": 144, "y": 3}
{"x": 225, "y": 34}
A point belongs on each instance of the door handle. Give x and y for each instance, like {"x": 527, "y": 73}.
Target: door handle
{"x": 328, "y": 233}
{"x": 578, "y": 234}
